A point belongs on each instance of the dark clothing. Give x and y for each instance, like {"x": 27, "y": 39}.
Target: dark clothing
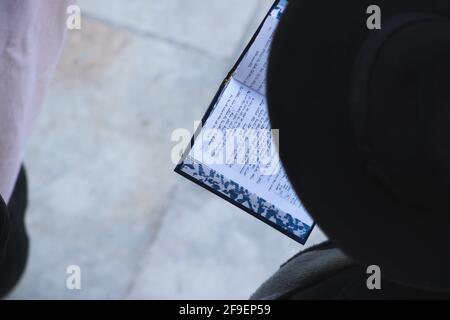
{"x": 14, "y": 241}
{"x": 325, "y": 272}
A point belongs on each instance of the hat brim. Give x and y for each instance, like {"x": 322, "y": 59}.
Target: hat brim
{"x": 309, "y": 75}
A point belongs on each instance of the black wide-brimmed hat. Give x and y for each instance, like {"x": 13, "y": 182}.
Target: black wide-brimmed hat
{"x": 364, "y": 120}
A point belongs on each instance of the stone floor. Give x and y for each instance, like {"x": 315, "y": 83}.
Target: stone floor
{"x": 103, "y": 192}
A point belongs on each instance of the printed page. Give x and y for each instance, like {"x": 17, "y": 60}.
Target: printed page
{"x": 253, "y": 67}
{"x": 236, "y": 142}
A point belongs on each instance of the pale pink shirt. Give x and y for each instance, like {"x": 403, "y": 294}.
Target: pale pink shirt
{"x": 31, "y": 37}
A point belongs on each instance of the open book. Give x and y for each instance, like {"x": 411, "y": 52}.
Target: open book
{"x": 233, "y": 153}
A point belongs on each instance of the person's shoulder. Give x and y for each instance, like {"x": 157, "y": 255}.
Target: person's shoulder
{"x": 307, "y": 269}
